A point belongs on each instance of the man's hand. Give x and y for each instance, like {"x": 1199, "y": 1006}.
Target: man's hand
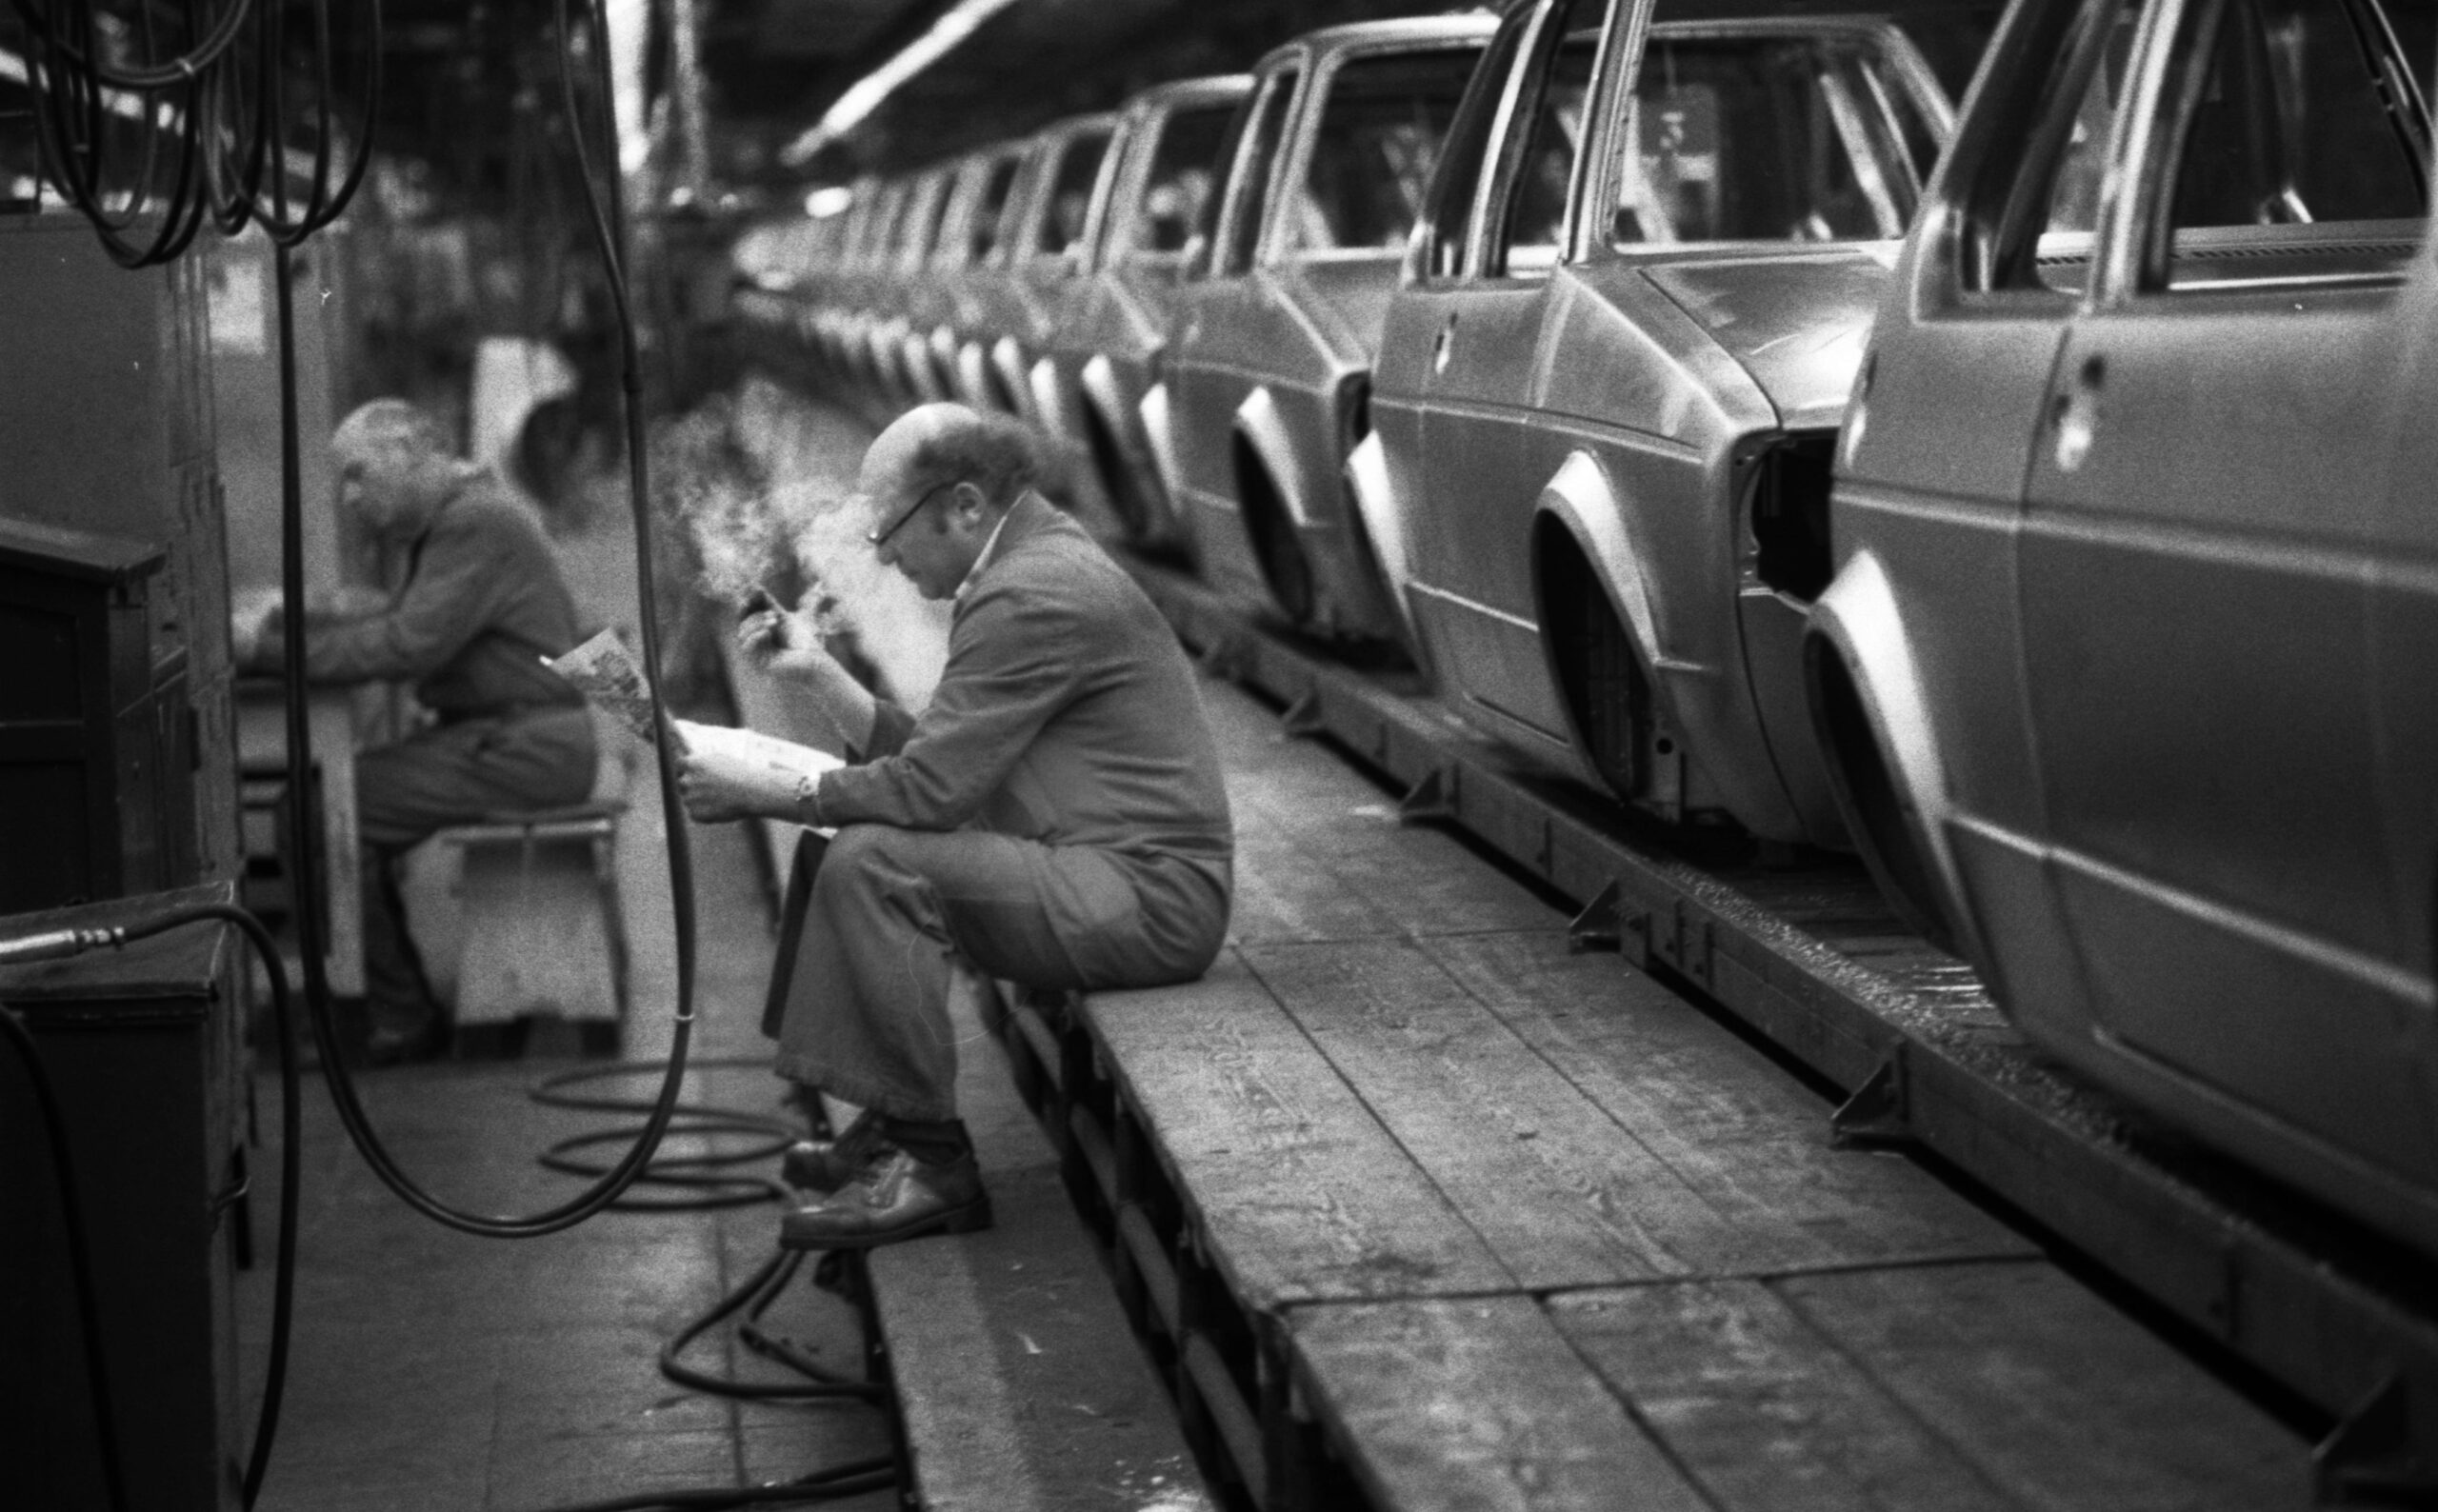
{"x": 719, "y": 787}
{"x": 785, "y": 644}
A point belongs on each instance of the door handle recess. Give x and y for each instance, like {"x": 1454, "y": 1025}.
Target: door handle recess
{"x": 2074, "y": 415}
{"x": 1443, "y": 346}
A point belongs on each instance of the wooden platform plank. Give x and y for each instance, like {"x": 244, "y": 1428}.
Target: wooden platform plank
{"x": 1020, "y": 1382}
{"x": 1281, "y": 894}
{"x": 2059, "y": 1396}
{"x": 1764, "y": 1411}
{"x": 1559, "y": 1193}
{"x": 1724, "y": 1122}
{"x": 1474, "y": 1405}
{"x": 1299, "y": 1192}
{"x": 1323, "y": 855}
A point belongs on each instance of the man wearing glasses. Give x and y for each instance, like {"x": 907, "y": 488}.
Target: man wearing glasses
{"x": 1055, "y": 817}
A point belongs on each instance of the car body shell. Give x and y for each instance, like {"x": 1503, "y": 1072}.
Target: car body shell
{"x": 2125, "y": 670}
{"x": 1591, "y": 439}
{"x": 960, "y": 338}
{"x": 1268, "y": 362}
{"x": 1112, "y": 329}
{"x": 899, "y": 336}
{"x": 928, "y": 307}
{"x": 1011, "y": 298}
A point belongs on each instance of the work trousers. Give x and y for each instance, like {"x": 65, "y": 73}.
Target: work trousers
{"x": 451, "y": 774}
{"x": 893, "y": 910}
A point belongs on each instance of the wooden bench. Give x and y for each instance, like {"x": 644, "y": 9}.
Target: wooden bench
{"x": 542, "y": 929}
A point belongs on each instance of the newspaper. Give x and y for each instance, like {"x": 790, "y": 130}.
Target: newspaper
{"x": 604, "y": 671}
{"x": 752, "y": 746}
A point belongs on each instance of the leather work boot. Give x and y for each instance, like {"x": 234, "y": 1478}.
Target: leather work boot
{"x": 824, "y": 1165}
{"x": 898, "y": 1198}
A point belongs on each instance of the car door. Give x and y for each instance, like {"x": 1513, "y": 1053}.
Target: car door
{"x": 2202, "y": 514}
{"x": 1485, "y": 305}
{"x": 1216, "y": 312}
{"x": 1959, "y": 365}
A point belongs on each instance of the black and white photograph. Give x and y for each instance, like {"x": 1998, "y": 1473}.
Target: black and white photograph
{"x": 1218, "y": 755}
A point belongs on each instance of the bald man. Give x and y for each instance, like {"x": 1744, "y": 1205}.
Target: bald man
{"x": 481, "y": 603}
{"x": 1055, "y": 817}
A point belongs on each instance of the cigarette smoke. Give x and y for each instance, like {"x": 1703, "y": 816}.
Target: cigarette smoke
{"x": 809, "y": 456}
{"x": 717, "y": 489}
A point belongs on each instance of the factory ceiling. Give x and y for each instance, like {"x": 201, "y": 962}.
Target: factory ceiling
{"x": 772, "y": 67}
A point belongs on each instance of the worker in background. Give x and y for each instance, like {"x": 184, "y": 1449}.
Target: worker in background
{"x": 481, "y": 603}
{"x": 1055, "y": 817}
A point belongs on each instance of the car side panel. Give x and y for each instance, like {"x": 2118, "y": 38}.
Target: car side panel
{"x": 2195, "y": 589}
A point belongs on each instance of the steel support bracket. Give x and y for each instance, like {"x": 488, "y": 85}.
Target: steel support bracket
{"x": 1304, "y": 716}
{"x": 1880, "y": 1112}
{"x": 1434, "y": 797}
{"x": 1601, "y": 926}
{"x": 2385, "y": 1452}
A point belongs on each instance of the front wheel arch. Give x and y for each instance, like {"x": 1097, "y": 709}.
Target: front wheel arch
{"x": 1269, "y": 526}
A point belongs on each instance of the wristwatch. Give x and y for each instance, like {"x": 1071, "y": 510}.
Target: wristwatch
{"x": 809, "y": 799}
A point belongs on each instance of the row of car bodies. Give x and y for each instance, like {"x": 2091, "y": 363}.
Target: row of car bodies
{"x": 2130, "y": 666}
{"x": 2045, "y": 515}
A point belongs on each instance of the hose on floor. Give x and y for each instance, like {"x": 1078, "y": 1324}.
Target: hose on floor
{"x": 711, "y": 1180}
{"x": 707, "y": 1180}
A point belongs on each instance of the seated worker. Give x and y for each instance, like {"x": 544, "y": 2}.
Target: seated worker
{"x": 482, "y": 605}
{"x": 1055, "y": 817}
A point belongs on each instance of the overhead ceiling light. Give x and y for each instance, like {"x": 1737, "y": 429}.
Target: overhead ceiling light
{"x": 828, "y": 200}
{"x": 864, "y": 95}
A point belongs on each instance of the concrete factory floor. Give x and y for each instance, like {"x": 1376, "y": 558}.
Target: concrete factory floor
{"x": 437, "y": 1371}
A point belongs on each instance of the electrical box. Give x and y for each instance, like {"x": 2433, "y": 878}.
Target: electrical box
{"x": 106, "y": 425}
{"x": 142, "y": 1045}
{"x": 96, "y": 756}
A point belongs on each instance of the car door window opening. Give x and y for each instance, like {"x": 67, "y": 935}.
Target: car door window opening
{"x": 2290, "y": 151}
{"x": 1378, "y": 139}
{"x": 1764, "y": 137}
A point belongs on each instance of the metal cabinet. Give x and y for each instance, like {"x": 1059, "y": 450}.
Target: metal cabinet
{"x": 142, "y": 1045}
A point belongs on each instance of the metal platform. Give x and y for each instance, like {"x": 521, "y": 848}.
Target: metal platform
{"x": 1811, "y": 960}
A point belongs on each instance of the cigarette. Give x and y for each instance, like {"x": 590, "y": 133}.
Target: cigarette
{"x": 759, "y": 600}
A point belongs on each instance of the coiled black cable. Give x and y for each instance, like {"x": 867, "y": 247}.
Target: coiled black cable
{"x": 222, "y": 110}
{"x": 708, "y": 1183}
